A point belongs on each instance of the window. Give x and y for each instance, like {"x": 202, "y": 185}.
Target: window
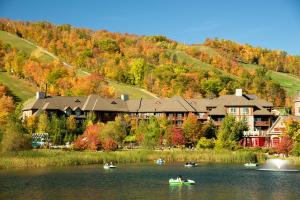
{"x": 245, "y": 111}
{"x": 77, "y": 112}
{"x": 69, "y": 111}
{"x": 170, "y": 116}
{"x": 219, "y": 119}
{"x": 232, "y": 111}
{"x": 298, "y": 109}
{"x": 179, "y": 123}
{"x": 179, "y": 116}
{"x": 201, "y": 115}
{"x": 257, "y": 119}
{"x": 158, "y": 114}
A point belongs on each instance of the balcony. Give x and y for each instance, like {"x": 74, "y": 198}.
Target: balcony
{"x": 254, "y": 133}
{"x": 261, "y": 123}
{"x": 174, "y": 118}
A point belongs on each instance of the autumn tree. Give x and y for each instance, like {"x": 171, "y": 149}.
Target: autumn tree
{"x": 89, "y": 139}
{"x": 15, "y": 137}
{"x": 293, "y": 129}
{"x": 230, "y": 132}
{"x": 6, "y": 107}
{"x": 43, "y": 123}
{"x": 191, "y": 129}
{"x": 149, "y": 133}
{"x": 285, "y": 145}
{"x": 137, "y": 70}
{"x": 31, "y": 123}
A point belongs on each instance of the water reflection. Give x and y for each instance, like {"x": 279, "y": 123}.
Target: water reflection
{"x": 147, "y": 182}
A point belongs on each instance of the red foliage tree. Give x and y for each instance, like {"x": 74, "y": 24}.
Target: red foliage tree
{"x": 109, "y": 144}
{"x": 286, "y": 145}
{"x": 89, "y": 139}
{"x": 178, "y": 137}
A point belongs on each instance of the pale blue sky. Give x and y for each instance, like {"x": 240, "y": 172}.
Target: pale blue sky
{"x": 272, "y": 24}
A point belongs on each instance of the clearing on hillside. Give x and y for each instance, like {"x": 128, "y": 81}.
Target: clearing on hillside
{"x": 19, "y": 89}
{"x": 24, "y": 45}
{"x": 289, "y": 82}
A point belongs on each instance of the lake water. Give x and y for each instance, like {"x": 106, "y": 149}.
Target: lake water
{"x": 148, "y": 181}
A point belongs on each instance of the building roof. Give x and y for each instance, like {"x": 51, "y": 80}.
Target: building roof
{"x": 280, "y": 123}
{"x": 232, "y": 100}
{"x": 174, "y": 104}
{"x": 220, "y": 110}
{"x": 200, "y": 105}
{"x": 56, "y": 103}
{"x": 97, "y": 103}
{"x": 262, "y": 111}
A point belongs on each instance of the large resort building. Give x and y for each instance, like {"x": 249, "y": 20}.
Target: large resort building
{"x": 256, "y": 111}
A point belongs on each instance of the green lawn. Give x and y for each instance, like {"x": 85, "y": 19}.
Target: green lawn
{"x": 196, "y": 63}
{"x": 206, "y": 49}
{"x": 133, "y": 92}
{"x": 19, "y": 89}
{"x": 24, "y": 45}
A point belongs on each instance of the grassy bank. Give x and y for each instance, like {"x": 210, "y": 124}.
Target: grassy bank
{"x": 294, "y": 160}
{"x": 43, "y": 158}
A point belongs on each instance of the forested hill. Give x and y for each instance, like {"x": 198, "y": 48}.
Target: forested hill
{"x": 156, "y": 63}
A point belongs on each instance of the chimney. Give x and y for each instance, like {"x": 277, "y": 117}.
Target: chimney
{"x": 124, "y": 97}
{"x": 40, "y": 95}
{"x": 238, "y": 92}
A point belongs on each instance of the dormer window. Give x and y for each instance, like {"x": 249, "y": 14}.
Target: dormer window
{"x": 113, "y": 102}
{"x": 77, "y": 101}
{"x": 77, "y": 112}
{"x": 68, "y": 111}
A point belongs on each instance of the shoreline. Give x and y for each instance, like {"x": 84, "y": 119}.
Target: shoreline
{"x": 45, "y": 158}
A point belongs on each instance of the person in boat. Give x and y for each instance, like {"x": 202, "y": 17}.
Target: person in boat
{"x": 111, "y": 164}
{"x": 179, "y": 178}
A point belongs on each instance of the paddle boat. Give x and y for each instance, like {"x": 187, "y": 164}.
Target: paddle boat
{"x": 191, "y": 164}
{"x": 109, "y": 166}
{"x": 179, "y": 181}
{"x": 160, "y": 161}
{"x": 250, "y": 164}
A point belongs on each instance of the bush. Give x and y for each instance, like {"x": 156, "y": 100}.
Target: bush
{"x": 286, "y": 145}
{"x": 205, "y": 143}
{"x": 178, "y": 137}
{"x": 89, "y": 139}
{"x": 108, "y": 45}
{"x": 109, "y": 144}
{"x": 296, "y": 149}
{"x": 14, "y": 136}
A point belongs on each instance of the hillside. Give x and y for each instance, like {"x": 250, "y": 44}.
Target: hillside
{"x": 22, "y": 90}
{"x": 19, "y": 89}
{"x": 26, "y": 46}
{"x": 132, "y": 63}
{"x": 289, "y": 82}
